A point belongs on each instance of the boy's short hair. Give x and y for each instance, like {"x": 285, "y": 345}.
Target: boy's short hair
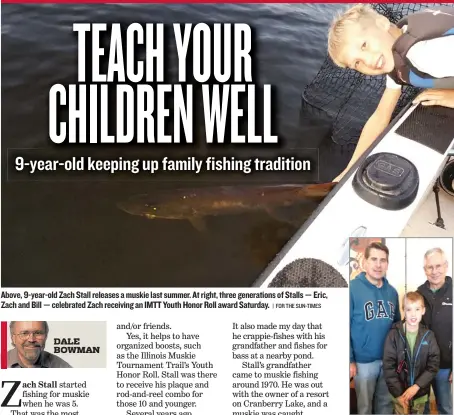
{"x": 413, "y": 297}
{"x": 354, "y": 15}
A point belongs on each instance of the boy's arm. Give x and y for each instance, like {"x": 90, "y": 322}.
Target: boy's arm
{"x": 376, "y": 124}
{"x": 430, "y": 97}
{"x": 432, "y": 366}
{"x": 390, "y": 365}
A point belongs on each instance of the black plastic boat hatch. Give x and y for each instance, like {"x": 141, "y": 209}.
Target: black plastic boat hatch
{"x": 447, "y": 178}
{"x": 387, "y": 180}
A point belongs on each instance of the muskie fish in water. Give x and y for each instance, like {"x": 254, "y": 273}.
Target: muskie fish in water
{"x": 194, "y": 204}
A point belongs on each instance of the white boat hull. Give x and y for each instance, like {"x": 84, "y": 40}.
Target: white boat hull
{"x": 343, "y": 213}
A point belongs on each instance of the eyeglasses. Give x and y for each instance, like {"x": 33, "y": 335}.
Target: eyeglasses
{"x": 432, "y": 268}
{"x": 39, "y": 334}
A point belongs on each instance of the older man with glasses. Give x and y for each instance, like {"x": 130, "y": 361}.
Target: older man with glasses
{"x": 29, "y": 339}
{"x": 437, "y": 293}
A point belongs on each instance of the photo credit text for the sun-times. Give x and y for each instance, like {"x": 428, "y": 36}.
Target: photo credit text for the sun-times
{"x": 182, "y": 352}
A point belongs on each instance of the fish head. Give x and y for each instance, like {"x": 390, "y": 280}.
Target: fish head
{"x": 155, "y": 208}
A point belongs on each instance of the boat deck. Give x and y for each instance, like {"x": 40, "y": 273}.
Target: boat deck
{"x": 422, "y": 223}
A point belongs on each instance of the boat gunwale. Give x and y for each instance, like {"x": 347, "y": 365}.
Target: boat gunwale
{"x": 274, "y": 263}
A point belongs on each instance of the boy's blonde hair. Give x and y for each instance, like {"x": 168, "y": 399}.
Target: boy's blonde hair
{"x": 356, "y": 14}
{"x": 413, "y": 297}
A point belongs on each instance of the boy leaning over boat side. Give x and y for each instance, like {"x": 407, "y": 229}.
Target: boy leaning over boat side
{"x": 417, "y": 51}
{"x": 411, "y": 358}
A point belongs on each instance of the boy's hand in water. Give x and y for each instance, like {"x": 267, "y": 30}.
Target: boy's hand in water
{"x": 430, "y": 97}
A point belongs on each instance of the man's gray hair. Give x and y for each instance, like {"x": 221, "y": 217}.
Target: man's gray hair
{"x": 434, "y": 251}
{"x": 46, "y": 326}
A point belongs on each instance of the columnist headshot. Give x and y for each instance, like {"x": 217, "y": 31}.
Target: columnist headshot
{"x": 29, "y": 340}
